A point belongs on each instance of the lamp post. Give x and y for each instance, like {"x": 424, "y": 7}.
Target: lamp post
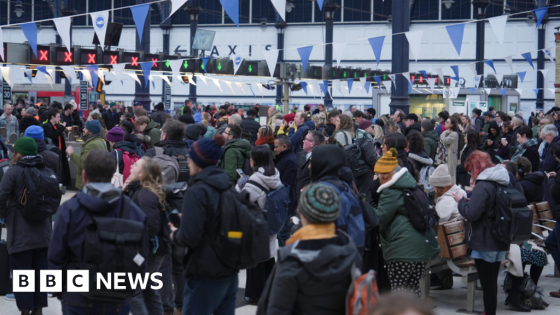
{"x": 480, "y": 6}
{"x": 400, "y": 55}
{"x": 329, "y": 8}
{"x": 280, "y": 28}
{"x": 194, "y": 11}
{"x": 142, "y": 93}
{"x": 540, "y": 56}
{"x": 166, "y": 30}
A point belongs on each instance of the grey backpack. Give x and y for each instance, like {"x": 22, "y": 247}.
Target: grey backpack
{"x": 169, "y": 166}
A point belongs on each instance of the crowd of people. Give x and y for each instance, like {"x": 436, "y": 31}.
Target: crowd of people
{"x": 333, "y": 186}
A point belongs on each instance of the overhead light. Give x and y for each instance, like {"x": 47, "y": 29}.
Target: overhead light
{"x": 531, "y": 18}
{"x": 263, "y": 24}
{"x": 448, "y": 3}
{"x": 289, "y": 7}
{"x": 390, "y": 21}
{"x": 18, "y": 8}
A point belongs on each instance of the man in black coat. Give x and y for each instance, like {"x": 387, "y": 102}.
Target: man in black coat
{"x": 55, "y": 131}
{"x": 250, "y": 125}
{"x": 533, "y": 183}
{"x": 286, "y": 164}
{"x": 50, "y": 159}
{"x": 312, "y": 139}
{"x": 172, "y": 134}
{"x": 107, "y": 117}
{"x": 412, "y": 124}
{"x": 528, "y": 147}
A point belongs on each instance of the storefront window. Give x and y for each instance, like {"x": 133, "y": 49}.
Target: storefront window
{"x": 427, "y": 105}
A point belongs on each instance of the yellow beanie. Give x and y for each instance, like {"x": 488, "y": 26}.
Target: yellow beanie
{"x": 387, "y": 163}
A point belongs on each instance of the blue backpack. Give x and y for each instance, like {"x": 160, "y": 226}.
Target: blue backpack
{"x": 139, "y": 151}
{"x": 351, "y": 218}
{"x": 276, "y": 207}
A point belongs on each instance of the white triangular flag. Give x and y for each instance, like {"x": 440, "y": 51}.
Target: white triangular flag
{"x": 63, "y": 28}
{"x": 176, "y": 5}
{"x": 552, "y": 90}
{"x": 498, "y": 25}
{"x": 509, "y": 61}
{"x": 310, "y": 87}
{"x": 280, "y": 6}
{"x": 393, "y": 77}
{"x": 190, "y": 76}
{"x": 387, "y": 85}
{"x": 240, "y": 86}
{"x": 488, "y": 91}
{"x": 2, "y": 52}
{"x": 520, "y": 91}
{"x": 250, "y": 86}
{"x": 6, "y": 74}
{"x": 363, "y": 84}
{"x": 414, "y": 42}
{"x": 134, "y": 76}
{"x": 176, "y": 66}
{"x": 69, "y": 72}
{"x": 548, "y": 53}
{"x": 237, "y": 61}
{"x": 472, "y": 66}
{"x": 439, "y": 72}
{"x": 50, "y": 76}
{"x": 330, "y": 92}
{"x": 337, "y": 85}
{"x": 217, "y": 82}
{"x": 228, "y": 83}
{"x": 260, "y": 88}
{"x": 544, "y": 72}
{"x": 499, "y": 78}
{"x": 454, "y": 92}
{"x": 101, "y": 75}
{"x": 338, "y": 52}
{"x": 203, "y": 78}
{"x": 271, "y": 57}
{"x": 117, "y": 71}
{"x": 29, "y": 74}
{"x": 406, "y": 75}
{"x": 432, "y": 83}
{"x": 476, "y": 81}
{"x": 165, "y": 78}
{"x": 87, "y": 75}
{"x": 100, "y": 20}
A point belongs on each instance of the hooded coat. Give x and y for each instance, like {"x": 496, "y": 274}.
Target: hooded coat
{"x": 195, "y": 131}
{"x": 235, "y": 153}
{"x": 446, "y": 206}
{"x": 100, "y": 199}
{"x": 200, "y": 223}
{"x": 534, "y": 185}
{"x": 480, "y": 206}
{"x": 50, "y": 159}
{"x": 496, "y": 139}
{"x": 451, "y": 142}
{"x": 311, "y": 277}
{"x": 431, "y": 139}
{"x": 400, "y": 241}
{"x": 93, "y": 142}
{"x": 153, "y": 130}
{"x": 250, "y": 125}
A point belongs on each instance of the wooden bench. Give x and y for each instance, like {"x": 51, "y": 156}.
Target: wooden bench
{"x": 543, "y": 221}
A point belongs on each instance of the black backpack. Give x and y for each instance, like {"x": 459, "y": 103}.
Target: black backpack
{"x": 512, "y": 220}
{"x": 111, "y": 245}
{"x": 174, "y": 194}
{"x": 41, "y": 195}
{"x": 355, "y": 159}
{"x": 242, "y": 241}
{"x": 421, "y": 210}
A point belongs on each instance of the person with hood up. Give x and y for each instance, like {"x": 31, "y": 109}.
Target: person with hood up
{"x": 405, "y": 249}
{"x": 265, "y": 176}
{"x": 313, "y": 272}
{"x": 487, "y": 251}
{"x": 27, "y": 240}
{"x": 418, "y": 156}
{"x": 50, "y": 159}
{"x": 92, "y": 140}
{"x": 533, "y": 183}
{"x": 493, "y": 137}
{"x": 528, "y": 147}
{"x": 450, "y": 139}
{"x": 236, "y": 150}
{"x": 266, "y": 137}
{"x": 411, "y": 123}
{"x": 98, "y": 198}
{"x": 160, "y": 115}
{"x": 431, "y": 138}
{"x": 211, "y": 286}
{"x": 303, "y": 125}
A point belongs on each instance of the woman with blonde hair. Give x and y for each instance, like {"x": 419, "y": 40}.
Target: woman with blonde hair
{"x": 266, "y": 137}
{"x": 144, "y": 187}
{"x": 391, "y": 126}
{"x": 210, "y": 131}
{"x": 344, "y": 130}
{"x": 320, "y": 121}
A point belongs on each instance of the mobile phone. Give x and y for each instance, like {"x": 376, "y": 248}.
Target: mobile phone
{"x": 174, "y": 218}
{"x": 240, "y": 172}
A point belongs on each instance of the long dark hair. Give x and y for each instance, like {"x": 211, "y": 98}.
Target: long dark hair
{"x": 473, "y": 139}
{"x": 454, "y": 123}
{"x": 398, "y": 141}
{"x": 262, "y": 157}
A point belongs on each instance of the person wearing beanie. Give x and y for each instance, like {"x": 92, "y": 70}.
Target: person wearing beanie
{"x": 50, "y": 159}
{"x": 91, "y": 140}
{"x": 202, "y": 269}
{"x": 365, "y": 129}
{"x": 431, "y": 138}
{"x": 326, "y": 270}
{"x": 287, "y": 123}
{"x": 27, "y": 240}
{"x": 446, "y": 207}
{"x": 405, "y": 249}
{"x": 122, "y": 149}
{"x": 113, "y": 136}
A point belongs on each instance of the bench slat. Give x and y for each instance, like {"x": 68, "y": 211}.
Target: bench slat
{"x": 456, "y": 239}
{"x": 547, "y": 215}
{"x": 458, "y": 251}
{"x": 453, "y": 227}
{"x": 542, "y": 206}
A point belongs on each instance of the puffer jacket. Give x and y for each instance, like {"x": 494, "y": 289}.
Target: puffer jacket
{"x": 431, "y": 139}
{"x": 446, "y": 207}
{"x": 250, "y": 125}
{"x": 400, "y": 241}
{"x": 451, "y": 142}
{"x": 22, "y": 234}
{"x": 235, "y": 153}
{"x": 480, "y": 206}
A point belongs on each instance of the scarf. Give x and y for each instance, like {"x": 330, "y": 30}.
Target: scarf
{"x": 59, "y": 139}
{"x": 265, "y": 140}
{"x": 313, "y": 232}
{"x": 523, "y": 147}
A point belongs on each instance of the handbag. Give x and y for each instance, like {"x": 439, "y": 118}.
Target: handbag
{"x": 117, "y": 179}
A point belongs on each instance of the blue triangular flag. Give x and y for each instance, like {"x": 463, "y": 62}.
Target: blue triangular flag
{"x": 491, "y": 64}
{"x": 367, "y": 86}
{"x": 377, "y": 44}
{"x": 529, "y": 59}
{"x": 205, "y": 62}
{"x": 304, "y": 87}
{"x": 44, "y": 70}
{"x": 536, "y": 92}
{"x": 540, "y": 15}
{"x": 232, "y": 9}
{"x": 455, "y": 33}
{"x": 424, "y": 74}
{"x": 522, "y": 75}
{"x": 472, "y": 90}
{"x": 456, "y": 71}
{"x": 304, "y": 53}
{"x": 93, "y": 71}
{"x": 350, "y": 82}
{"x": 139, "y": 13}
{"x": 146, "y": 68}
{"x": 503, "y": 92}
{"x": 378, "y": 80}
{"x": 30, "y": 32}
{"x": 320, "y": 3}
{"x": 325, "y": 87}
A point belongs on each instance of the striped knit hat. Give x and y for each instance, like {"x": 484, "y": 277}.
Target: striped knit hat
{"x": 387, "y": 163}
{"x": 206, "y": 152}
{"x": 319, "y": 203}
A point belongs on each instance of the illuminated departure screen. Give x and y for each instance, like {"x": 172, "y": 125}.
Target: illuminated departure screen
{"x": 43, "y": 56}
{"x": 88, "y": 56}
{"x": 63, "y": 57}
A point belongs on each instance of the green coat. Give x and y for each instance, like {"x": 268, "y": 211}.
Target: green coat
{"x": 92, "y": 143}
{"x": 153, "y": 131}
{"x": 235, "y": 152}
{"x": 431, "y": 138}
{"x": 400, "y": 241}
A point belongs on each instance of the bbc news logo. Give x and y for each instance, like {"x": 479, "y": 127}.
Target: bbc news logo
{"x": 78, "y": 281}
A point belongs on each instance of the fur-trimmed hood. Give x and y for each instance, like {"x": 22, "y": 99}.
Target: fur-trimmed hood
{"x": 421, "y": 157}
{"x": 402, "y": 179}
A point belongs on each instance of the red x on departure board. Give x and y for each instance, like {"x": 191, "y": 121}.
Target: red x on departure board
{"x": 132, "y": 60}
{"x": 88, "y": 57}
{"x": 63, "y": 57}
{"x": 43, "y": 56}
